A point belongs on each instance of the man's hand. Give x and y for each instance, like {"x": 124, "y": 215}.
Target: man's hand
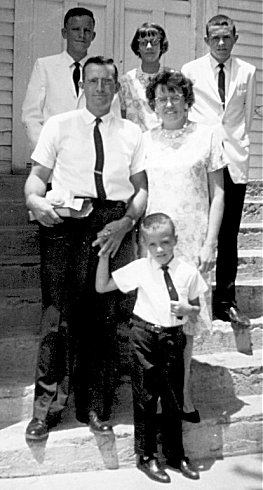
{"x": 111, "y": 236}
{"x": 43, "y": 211}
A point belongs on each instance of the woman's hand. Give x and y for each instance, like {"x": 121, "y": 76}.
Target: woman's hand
{"x": 207, "y": 258}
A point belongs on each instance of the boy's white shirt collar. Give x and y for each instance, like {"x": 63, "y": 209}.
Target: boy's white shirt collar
{"x": 215, "y": 63}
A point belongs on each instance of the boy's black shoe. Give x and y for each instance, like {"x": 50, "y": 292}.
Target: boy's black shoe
{"x": 151, "y": 467}
{"x": 37, "y": 430}
{"x": 184, "y": 466}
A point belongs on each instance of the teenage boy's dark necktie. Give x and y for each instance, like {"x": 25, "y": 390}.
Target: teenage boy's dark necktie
{"x": 221, "y": 84}
{"x": 170, "y": 285}
{"x": 99, "y": 160}
{"x": 76, "y": 76}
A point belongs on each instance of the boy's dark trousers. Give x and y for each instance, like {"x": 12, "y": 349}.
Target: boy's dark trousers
{"x": 157, "y": 370}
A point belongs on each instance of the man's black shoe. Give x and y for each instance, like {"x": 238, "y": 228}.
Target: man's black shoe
{"x": 151, "y": 468}
{"x": 233, "y": 315}
{"x": 192, "y": 417}
{"x": 37, "y": 430}
{"x": 184, "y": 467}
{"x": 96, "y": 425}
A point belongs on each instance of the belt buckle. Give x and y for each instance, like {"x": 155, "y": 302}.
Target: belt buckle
{"x": 157, "y": 328}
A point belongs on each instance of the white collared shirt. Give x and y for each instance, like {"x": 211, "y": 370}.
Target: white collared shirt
{"x": 66, "y": 146}
{"x": 153, "y": 301}
{"x": 227, "y": 70}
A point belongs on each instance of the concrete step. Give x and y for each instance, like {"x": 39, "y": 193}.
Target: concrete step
{"x": 20, "y": 311}
{"x": 252, "y": 210}
{"x": 13, "y": 212}
{"x": 250, "y": 236}
{"x": 12, "y": 186}
{"x": 214, "y": 377}
{"x": 19, "y": 241}
{"x": 18, "y": 347}
{"x": 254, "y": 189}
{"x": 231, "y": 428}
{"x": 250, "y": 263}
{"x": 21, "y": 273}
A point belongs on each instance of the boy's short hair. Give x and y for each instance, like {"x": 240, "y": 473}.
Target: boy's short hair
{"x": 78, "y": 12}
{"x": 221, "y": 20}
{"x": 153, "y": 221}
{"x": 100, "y": 60}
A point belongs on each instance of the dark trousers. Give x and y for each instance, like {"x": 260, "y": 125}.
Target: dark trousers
{"x": 227, "y": 255}
{"x": 78, "y": 329}
{"x": 157, "y": 370}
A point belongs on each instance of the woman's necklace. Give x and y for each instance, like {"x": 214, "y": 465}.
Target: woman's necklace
{"x": 144, "y": 78}
{"x": 174, "y": 133}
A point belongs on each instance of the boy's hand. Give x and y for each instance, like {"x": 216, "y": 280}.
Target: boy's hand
{"x": 182, "y": 308}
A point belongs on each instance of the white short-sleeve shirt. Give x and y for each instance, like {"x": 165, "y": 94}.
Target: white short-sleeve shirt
{"x": 153, "y": 301}
{"x": 66, "y": 146}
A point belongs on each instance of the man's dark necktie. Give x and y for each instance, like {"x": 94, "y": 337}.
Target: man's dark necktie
{"x": 99, "y": 160}
{"x": 76, "y": 76}
{"x": 170, "y": 285}
{"x": 221, "y": 83}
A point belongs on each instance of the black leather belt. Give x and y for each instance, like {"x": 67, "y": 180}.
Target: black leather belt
{"x": 139, "y": 322}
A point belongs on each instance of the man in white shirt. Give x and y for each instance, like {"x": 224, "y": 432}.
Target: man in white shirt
{"x": 53, "y": 87}
{"x": 100, "y": 159}
{"x": 224, "y": 89}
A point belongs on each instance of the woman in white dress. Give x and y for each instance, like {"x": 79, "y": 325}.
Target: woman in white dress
{"x": 185, "y": 178}
{"x": 149, "y": 44}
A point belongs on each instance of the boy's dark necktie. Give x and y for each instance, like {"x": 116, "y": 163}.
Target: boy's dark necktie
{"x": 170, "y": 285}
{"x": 221, "y": 84}
{"x": 76, "y": 76}
{"x": 99, "y": 160}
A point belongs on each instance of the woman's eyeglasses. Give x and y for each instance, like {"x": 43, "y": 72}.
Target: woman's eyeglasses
{"x": 173, "y": 99}
{"x": 143, "y": 43}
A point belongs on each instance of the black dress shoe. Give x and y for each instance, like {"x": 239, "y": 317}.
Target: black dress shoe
{"x": 37, "y": 430}
{"x": 151, "y": 467}
{"x": 192, "y": 417}
{"x": 184, "y": 467}
{"x": 96, "y": 425}
{"x": 233, "y": 315}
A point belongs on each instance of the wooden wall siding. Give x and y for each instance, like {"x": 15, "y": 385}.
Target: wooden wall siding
{"x": 247, "y": 15}
{"x": 6, "y": 81}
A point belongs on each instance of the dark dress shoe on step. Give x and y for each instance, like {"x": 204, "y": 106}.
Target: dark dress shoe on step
{"x": 233, "y": 315}
{"x": 192, "y": 417}
{"x": 151, "y": 467}
{"x": 96, "y": 425}
{"x": 185, "y": 467}
{"x": 37, "y": 430}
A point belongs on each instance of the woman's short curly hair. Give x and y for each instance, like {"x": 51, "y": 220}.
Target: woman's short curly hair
{"x": 172, "y": 80}
{"x": 141, "y": 32}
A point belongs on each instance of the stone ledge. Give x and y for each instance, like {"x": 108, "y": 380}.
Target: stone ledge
{"x": 223, "y": 431}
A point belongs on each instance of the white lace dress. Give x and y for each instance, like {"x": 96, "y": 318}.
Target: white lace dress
{"x": 133, "y": 100}
{"x": 177, "y": 172}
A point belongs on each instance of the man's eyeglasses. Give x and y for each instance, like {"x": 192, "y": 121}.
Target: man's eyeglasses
{"x": 173, "y": 99}
{"x": 143, "y": 43}
{"x": 93, "y": 82}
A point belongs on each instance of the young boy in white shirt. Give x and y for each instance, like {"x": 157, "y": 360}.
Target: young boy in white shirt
{"x": 157, "y": 341}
